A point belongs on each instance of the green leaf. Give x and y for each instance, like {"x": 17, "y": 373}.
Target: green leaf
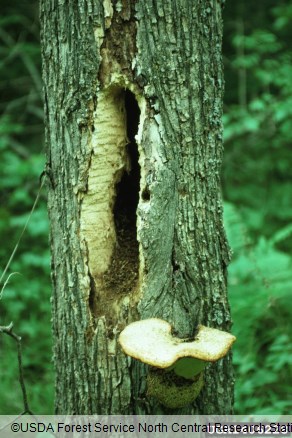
{"x": 188, "y": 367}
{"x": 281, "y": 234}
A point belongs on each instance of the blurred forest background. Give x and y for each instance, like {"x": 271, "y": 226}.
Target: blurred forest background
{"x": 257, "y": 192}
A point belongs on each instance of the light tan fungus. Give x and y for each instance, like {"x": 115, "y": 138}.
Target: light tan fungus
{"x": 151, "y": 342}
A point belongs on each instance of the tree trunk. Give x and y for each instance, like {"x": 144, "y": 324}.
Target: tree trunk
{"x": 133, "y": 100}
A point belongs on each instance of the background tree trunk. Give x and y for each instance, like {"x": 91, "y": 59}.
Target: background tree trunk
{"x": 133, "y": 100}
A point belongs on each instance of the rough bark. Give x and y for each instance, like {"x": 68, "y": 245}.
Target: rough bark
{"x": 133, "y": 101}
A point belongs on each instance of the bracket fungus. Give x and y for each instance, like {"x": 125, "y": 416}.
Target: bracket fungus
{"x": 176, "y": 373}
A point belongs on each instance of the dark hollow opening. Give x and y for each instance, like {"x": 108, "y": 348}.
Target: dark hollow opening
{"x": 123, "y": 274}
{"x": 146, "y": 194}
{"x": 127, "y": 190}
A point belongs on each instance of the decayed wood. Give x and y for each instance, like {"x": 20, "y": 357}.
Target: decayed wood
{"x": 172, "y": 262}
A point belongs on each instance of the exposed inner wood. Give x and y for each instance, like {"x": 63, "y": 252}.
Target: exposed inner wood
{"x": 122, "y": 275}
{"x": 108, "y": 217}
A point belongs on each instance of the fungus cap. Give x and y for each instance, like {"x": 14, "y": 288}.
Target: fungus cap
{"x": 151, "y": 342}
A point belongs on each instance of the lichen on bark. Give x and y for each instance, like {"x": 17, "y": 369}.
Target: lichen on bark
{"x": 168, "y": 55}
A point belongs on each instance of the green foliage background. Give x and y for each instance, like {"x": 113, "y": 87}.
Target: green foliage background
{"x": 256, "y": 188}
{"x": 26, "y": 298}
{"x": 257, "y": 191}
